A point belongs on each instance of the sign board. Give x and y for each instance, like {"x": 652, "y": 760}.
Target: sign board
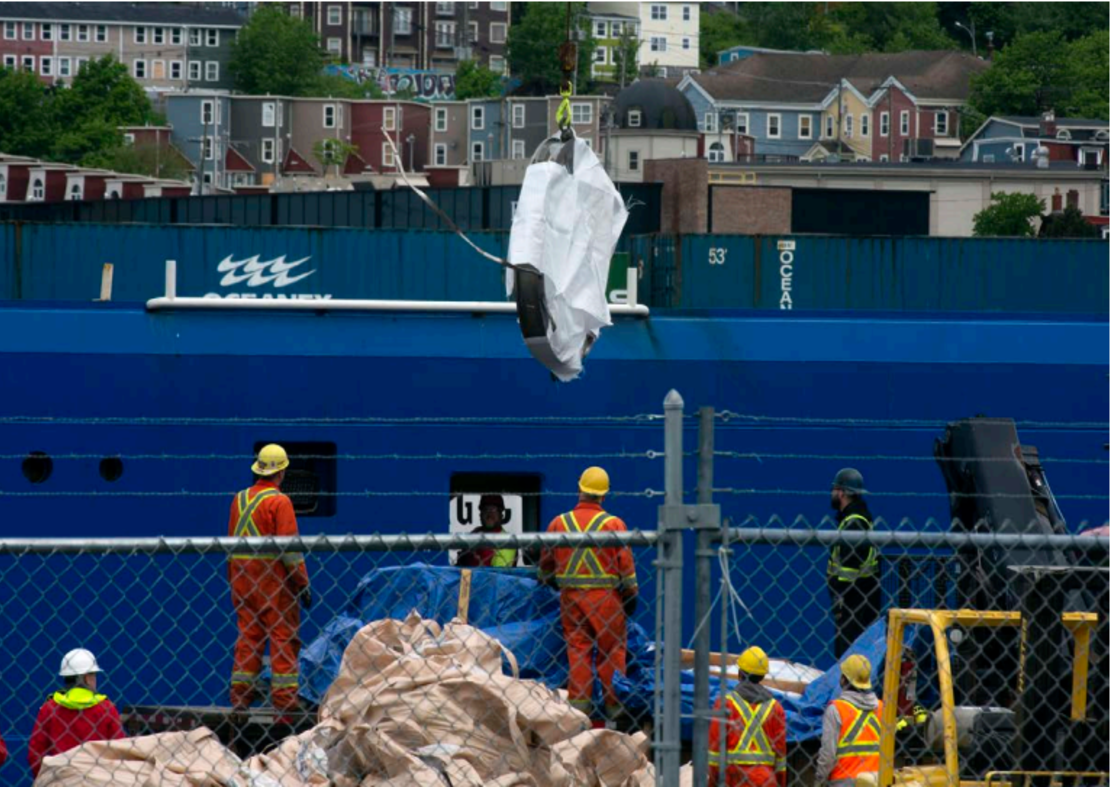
{"x": 464, "y": 517}
{"x": 616, "y": 289}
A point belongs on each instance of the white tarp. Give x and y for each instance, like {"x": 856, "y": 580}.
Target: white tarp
{"x": 566, "y": 226}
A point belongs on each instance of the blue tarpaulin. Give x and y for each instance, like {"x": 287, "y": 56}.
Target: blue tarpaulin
{"x": 524, "y": 616}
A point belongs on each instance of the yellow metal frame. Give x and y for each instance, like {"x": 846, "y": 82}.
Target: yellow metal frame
{"x": 995, "y": 778}
{"x": 1079, "y": 624}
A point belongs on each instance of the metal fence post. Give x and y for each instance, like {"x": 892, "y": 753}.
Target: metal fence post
{"x": 703, "y": 567}
{"x": 669, "y": 746}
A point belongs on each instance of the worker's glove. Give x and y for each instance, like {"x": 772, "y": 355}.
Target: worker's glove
{"x": 630, "y": 603}
{"x": 305, "y": 597}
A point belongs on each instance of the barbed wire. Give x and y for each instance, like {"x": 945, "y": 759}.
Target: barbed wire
{"x": 650, "y": 454}
{"x": 760, "y": 456}
{"x": 871, "y": 493}
{"x": 369, "y": 420}
{"x": 727, "y": 416}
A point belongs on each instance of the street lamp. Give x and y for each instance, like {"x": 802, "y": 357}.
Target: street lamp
{"x": 971, "y": 32}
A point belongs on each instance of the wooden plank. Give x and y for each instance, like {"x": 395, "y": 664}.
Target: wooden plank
{"x": 464, "y": 595}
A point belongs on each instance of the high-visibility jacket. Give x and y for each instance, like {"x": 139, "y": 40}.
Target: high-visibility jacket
{"x": 868, "y": 566}
{"x": 66, "y": 720}
{"x": 264, "y": 511}
{"x": 755, "y": 743}
{"x": 589, "y": 568}
{"x": 857, "y": 748}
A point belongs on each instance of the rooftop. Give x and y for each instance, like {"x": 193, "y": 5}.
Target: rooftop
{"x": 1023, "y": 120}
{"x": 934, "y": 165}
{"x": 208, "y": 14}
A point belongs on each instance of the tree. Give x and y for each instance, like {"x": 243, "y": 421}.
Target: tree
{"x": 721, "y": 30}
{"x": 1008, "y": 215}
{"x": 1090, "y": 63}
{"x": 626, "y": 58}
{"x": 336, "y": 86}
{"x": 533, "y": 46}
{"x": 473, "y": 80}
{"x": 26, "y": 126}
{"x": 889, "y": 27}
{"x": 150, "y": 160}
{"x": 1068, "y": 224}
{"x": 333, "y": 152}
{"x": 276, "y": 54}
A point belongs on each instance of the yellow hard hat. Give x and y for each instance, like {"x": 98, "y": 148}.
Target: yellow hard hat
{"x": 594, "y": 481}
{"x": 857, "y": 669}
{"x": 753, "y": 661}
{"x": 271, "y": 459}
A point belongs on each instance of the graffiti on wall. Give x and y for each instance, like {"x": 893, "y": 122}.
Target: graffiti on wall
{"x": 427, "y": 85}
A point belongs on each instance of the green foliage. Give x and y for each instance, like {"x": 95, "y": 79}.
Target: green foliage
{"x": 721, "y": 30}
{"x": 336, "y": 86}
{"x": 473, "y": 80}
{"x": 1008, "y": 215}
{"x": 405, "y": 94}
{"x": 333, "y": 153}
{"x": 626, "y": 58}
{"x": 26, "y": 127}
{"x": 276, "y": 54}
{"x": 533, "y": 46}
{"x": 1040, "y": 71}
{"x": 149, "y": 160}
{"x": 1068, "y": 224}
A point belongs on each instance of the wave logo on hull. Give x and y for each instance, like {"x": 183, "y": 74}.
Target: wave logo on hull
{"x": 256, "y": 273}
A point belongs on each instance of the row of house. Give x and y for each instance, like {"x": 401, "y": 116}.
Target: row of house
{"x": 25, "y": 179}
{"x": 814, "y": 107}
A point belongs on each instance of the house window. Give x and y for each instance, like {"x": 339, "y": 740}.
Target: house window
{"x": 445, "y": 9}
{"x": 46, "y": 66}
{"x": 634, "y": 160}
{"x": 335, "y": 15}
{"x": 389, "y": 118}
{"x": 686, "y": 43}
{"x": 402, "y": 21}
{"x": 600, "y": 31}
{"x": 211, "y": 37}
{"x": 63, "y": 66}
{"x": 269, "y": 114}
{"x": 581, "y": 114}
{"x": 157, "y": 69}
{"x": 441, "y": 154}
{"x": 29, "y": 63}
{"x": 658, "y": 12}
{"x": 501, "y": 6}
{"x": 3, "y": 187}
{"x": 83, "y": 34}
{"x": 1019, "y": 152}
{"x": 47, "y": 33}
{"x": 38, "y": 189}
{"x": 175, "y": 36}
{"x": 207, "y": 113}
{"x": 295, "y": 10}
{"x": 710, "y": 122}
{"x": 904, "y": 123}
{"x": 599, "y": 55}
{"x": 9, "y": 30}
{"x": 11, "y": 62}
{"x": 518, "y": 148}
{"x": 445, "y": 34}
{"x": 159, "y": 35}
{"x": 849, "y": 125}
{"x": 176, "y": 69}
{"x": 686, "y": 13}
{"x": 194, "y": 70}
{"x": 29, "y": 31}
{"x": 518, "y": 116}
{"x": 81, "y": 61}
{"x": 63, "y": 32}
{"x": 441, "y": 119}
{"x": 138, "y": 34}
{"x": 335, "y": 46}
{"x": 658, "y": 44}
{"x": 388, "y": 159}
{"x": 884, "y": 157}
{"x": 497, "y": 32}
{"x": 942, "y": 124}
{"x": 212, "y": 71}
{"x": 102, "y": 35}
{"x": 716, "y": 153}
{"x": 473, "y": 32}
{"x": 865, "y": 125}
{"x": 209, "y": 149}
{"x": 741, "y": 122}
{"x": 884, "y": 124}
{"x": 805, "y": 127}
{"x": 774, "y": 126}
{"x": 635, "y": 118}
{"x": 75, "y": 192}
{"x": 497, "y": 64}
{"x": 194, "y": 36}
{"x": 477, "y": 117}
{"x": 477, "y": 151}
{"x": 268, "y": 151}
{"x": 1063, "y": 135}
{"x": 129, "y": 139}
{"x": 329, "y": 115}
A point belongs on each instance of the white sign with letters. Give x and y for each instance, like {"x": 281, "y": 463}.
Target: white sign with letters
{"x": 274, "y": 273}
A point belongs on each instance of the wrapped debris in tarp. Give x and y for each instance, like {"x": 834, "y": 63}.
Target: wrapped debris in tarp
{"x": 568, "y": 219}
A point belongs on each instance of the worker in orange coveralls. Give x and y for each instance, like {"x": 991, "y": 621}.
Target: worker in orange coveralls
{"x": 597, "y": 592}
{"x": 755, "y": 752}
{"x": 266, "y": 588}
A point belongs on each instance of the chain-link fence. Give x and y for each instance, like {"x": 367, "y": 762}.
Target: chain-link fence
{"x": 985, "y": 645}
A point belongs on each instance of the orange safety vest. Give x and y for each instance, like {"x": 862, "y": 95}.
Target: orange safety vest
{"x": 584, "y": 570}
{"x": 857, "y": 750}
{"x": 752, "y": 747}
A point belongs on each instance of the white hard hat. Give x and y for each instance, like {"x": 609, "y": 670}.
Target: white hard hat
{"x": 78, "y": 662}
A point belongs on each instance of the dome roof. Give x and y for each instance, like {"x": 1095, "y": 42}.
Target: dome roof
{"x": 660, "y": 104}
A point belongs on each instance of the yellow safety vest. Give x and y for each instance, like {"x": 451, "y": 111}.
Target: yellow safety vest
{"x": 572, "y": 575}
{"x": 246, "y": 528}
{"x": 752, "y": 747}
{"x": 870, "y": 567}
{"x": 79, "y": 698}
{"x": 857, "y": 750}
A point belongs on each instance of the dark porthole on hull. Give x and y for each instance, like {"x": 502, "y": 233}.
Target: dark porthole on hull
{"x": 37, "y": 467}
{"x": 111, "y": 468}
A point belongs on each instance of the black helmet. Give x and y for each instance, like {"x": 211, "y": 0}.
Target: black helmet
{"x": 850, "y": 480}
